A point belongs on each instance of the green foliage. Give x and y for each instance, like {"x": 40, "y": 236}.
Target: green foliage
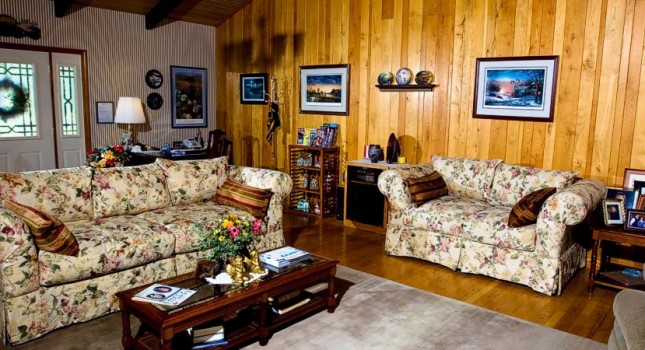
{"x": 227, "y": 236}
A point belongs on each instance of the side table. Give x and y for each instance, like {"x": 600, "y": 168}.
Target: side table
{"x": 615, "y": 235}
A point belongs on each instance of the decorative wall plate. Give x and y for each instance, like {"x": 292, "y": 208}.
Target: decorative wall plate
{"x": 154, "y": 101}
{"x": 154, "y": 79}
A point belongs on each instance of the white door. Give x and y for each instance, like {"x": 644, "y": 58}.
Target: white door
{"x": 68, "y": 100}
{"x": 26, "y": 121}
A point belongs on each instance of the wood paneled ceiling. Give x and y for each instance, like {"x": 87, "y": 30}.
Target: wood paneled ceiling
{"x": 208, "y": 12}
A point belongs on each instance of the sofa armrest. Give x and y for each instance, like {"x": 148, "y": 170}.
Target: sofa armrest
{"x": 392, "y": 184}
{"x": 278, "y": 182}
{"x": 567, "y": 207}
{"x": 18, "y": 256}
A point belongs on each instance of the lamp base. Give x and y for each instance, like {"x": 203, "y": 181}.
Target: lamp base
{"x": 127, "y": 140}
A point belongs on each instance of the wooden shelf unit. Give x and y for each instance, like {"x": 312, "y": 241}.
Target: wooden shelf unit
{"x": 411, "y": 87}
{"x": 326, "y": 173}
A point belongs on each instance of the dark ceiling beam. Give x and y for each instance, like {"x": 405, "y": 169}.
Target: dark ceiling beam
{"x": 160, "y": 11}
{"x": 61, "y": 7}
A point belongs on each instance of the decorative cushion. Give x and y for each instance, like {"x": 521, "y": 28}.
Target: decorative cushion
{"x": 252, "y": 199}
{"x": 191, "y": 181}
{"x": 466, "y": 177}
{"x": 526, "y": 211}
{"x": 427, "y": 188}
{"x": 63, "y": 193}
{"x": 512, "y": 182}
{"x": 50, "y": 234}
{"x": 128, "y": 190}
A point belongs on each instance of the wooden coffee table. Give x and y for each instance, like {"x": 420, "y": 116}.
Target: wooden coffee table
{"x": 245, "y": 311}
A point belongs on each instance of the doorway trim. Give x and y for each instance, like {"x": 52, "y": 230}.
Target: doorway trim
{"x": 84, "y": 82}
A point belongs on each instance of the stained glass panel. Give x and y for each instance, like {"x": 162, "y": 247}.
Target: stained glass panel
{"x": 67, "y": 76}
{"x": 17, "y": 113}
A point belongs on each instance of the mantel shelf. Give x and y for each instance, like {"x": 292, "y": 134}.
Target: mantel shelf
{"x": 412, "y": 87}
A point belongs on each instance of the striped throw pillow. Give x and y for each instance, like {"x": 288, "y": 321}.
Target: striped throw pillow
{"x": 426, "y": 188}
{"x": 252, "y": 199}
{"x": 525, "y": 212}
{"x": 50, "y": 234}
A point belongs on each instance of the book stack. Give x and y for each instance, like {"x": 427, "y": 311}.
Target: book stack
{"x": 164, "y": 295}
{"x": 289, "y": 301}
{"x": 207, "y": 336}
{"x": 283, "y": 257}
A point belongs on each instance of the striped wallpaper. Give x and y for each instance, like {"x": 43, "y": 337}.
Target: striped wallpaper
{"x": 120, "y": 51}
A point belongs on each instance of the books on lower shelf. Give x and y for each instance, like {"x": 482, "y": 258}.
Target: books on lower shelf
{"x": 289, "y": 301}
{"x": 620, "y": 277}
{"x": 207, "y": 336}
{"x": 283, "y": 257}
{"x": 164, "y": 295}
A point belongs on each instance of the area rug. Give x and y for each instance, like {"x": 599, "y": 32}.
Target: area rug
{"x": 373, "y": 313}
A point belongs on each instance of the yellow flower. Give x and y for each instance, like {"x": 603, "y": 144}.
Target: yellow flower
{"x": 221, "y": 238}
{"x": 227, "y": 224}
{"x": 108, "y": 155}
{"x": 102, "y": 163}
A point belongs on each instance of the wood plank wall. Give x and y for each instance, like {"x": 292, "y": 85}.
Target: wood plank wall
{"x": 600, "y": 98}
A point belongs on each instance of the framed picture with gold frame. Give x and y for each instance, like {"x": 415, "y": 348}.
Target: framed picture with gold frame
{"x": 613, "y": 211}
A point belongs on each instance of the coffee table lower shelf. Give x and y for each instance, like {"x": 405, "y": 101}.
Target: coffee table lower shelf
{"x": 243, "y": 331}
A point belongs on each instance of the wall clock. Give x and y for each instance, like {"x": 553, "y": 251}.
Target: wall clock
{"x": 154, "y": 101}
{"x": 154, "y": 79}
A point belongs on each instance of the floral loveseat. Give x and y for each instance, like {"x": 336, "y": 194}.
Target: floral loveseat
{"x": 134, "y": 225}
{"x": 468, "y": 228}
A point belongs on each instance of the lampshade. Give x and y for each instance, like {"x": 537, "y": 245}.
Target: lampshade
{"x": 129, "y": 110}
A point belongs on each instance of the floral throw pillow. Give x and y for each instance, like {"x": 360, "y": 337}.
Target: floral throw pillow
{"x": 525, "y": 212}
{"x": 50, "y": 234}
{"x": 252, "y": 199}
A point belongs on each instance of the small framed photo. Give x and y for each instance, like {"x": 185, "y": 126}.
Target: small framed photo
{"x": 324, "y": 89}
{"x": 633, "y": 178}
{"x": 628, "y": 196}
{"x": 613, "y": 211}
{"x": 635, "y": 220}
{"x": 253, "y": 89}
{"x": 516, "y": 88}
{"x": 189, "y": 98}
{"x": 104, "y": 112}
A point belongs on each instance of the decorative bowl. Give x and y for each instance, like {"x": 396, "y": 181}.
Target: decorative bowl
{"x": 404, "y": 76}
{"x": 385, "y": 78}
{"x": 424, "y": 77}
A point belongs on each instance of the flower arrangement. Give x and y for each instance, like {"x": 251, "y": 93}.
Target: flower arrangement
{"x": 227, "y": 237}
{"x": 107, "y": 157}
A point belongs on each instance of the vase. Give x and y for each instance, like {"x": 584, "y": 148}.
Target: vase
{"x": 374, "y": 153}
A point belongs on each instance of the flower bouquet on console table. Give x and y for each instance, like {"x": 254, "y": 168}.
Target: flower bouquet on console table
{"x": 228, "y": 240}
{"x": 107, "y": 157}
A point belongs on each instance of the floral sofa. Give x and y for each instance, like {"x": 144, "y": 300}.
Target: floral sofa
{"x": 468, "y": 229}
{"x": 134, "y": 225}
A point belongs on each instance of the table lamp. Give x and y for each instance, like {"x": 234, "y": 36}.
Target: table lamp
{"x": 129, "y": 110}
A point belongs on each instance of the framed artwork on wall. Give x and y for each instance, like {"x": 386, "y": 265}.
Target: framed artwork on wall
{"x": 104, "y": 112}
{"x": 253, "y": 89}
{"x": 516, "y": 88}
{"x": 324, "y": 89}
{"x": 188, "y": 95}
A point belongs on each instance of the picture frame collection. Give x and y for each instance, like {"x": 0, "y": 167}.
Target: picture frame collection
{"x": 626, "y": 206}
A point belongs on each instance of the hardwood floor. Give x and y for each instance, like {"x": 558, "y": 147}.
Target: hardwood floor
{"x": 575, "y": 311}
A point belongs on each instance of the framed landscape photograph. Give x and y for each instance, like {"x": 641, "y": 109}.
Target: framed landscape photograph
{"x": 613, "y": 211}
{"x": 253, "y": 89}
{"x": 324, "y": 89}
{"x": 516, "y": 88}
{"x": 188, "y": 95}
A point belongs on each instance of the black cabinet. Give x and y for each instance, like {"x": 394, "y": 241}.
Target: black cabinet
{"x": 365, "y": 206}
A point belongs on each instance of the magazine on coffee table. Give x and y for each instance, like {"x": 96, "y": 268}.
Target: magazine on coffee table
{"x": 164, "y": 295}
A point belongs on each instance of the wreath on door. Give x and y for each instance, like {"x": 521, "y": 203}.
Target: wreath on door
{"x": 13, "y": 100}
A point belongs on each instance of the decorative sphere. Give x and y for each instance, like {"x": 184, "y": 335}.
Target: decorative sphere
{"x": 424, "y": 77}
{"x": 385, "y": 78}
{"x": 404, "y": 76}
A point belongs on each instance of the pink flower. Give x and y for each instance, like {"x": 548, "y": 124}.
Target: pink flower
{"x": 234, "y": 231}
{"x": 257, "y": 225}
